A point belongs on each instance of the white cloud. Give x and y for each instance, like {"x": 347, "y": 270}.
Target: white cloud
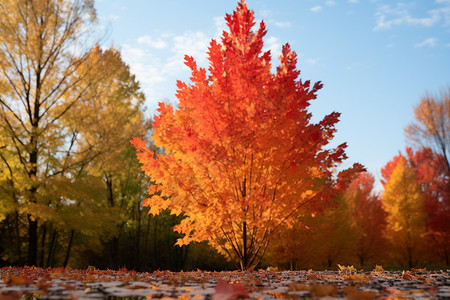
{"x": 155, "y": 43}
{"x": 191, "y": 43}
{"x": 221, "y": 26}
{"x": 353, "y": 1}
{"x": 429, "y": 42}
{"x": 388, "y": 16}
{"x": 194, "y": 44}
{"x": 149, "y": 70}
{"x": 330, "y": 2}
{"x": 131, "y": 52}
{"x": 265, "y": 13}
{"x": 312, "y": 61}
{"x": 273, "y": 44}
{"x": 316, "y": 8}
{"x": 113, "y": 17}
{"x": 158, "y": 70}
{"x": 282, "y": 24}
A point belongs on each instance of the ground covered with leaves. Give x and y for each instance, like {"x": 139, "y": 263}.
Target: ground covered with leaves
{"x": 38, "y": 283}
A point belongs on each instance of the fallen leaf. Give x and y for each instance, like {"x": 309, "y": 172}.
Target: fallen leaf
{"x": 356, "y": 277}
{"x": 16, "y": 280}
{"x": 378, "y": 268}
{"x": 11, "y": 296}
{"x": 347, "y": 268}
{"x": 419, "y": 270}
{"x": 352, "y": 293}
{"x": 407, "y": 276}
{"x": 225, "y": 291}
{"x": 322, "y": 290}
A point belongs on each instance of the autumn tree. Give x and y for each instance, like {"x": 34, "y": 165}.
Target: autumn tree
{"x": 404, "y": 203}
{"x": 430, "y": 136}
{"x": 320, "y": 239}
{"x": 55, "y": 85}
{"x": 432, "y": 125}
{"x": 109, "y": 122}
{"x": 366, "y": 218}
{"x": 241, "y": 153}
{"x": 430, "y": 171}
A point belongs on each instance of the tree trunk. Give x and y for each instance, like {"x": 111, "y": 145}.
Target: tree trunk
{"x": 329, "y": 262}
{"x": 114, "y": 243}
{"x": 51, "y": 248}
{"x": 293, "y": 264}
{"x": 138, "y": 239}
{"x": 18, "y": 239}
{"x": 32, "y": 240}
{"x": 244, "y": 260}
{"x": 155, "y": 242}
{"x": 410, "y": 258}
{"x": 44, "y": 235}
{"x": 361, "y": 260}
{"x": 32, "y": 220}
{"x": 109, "y": 190}
{"x": 72, "y": 232}
{"x": 146, "y": 236}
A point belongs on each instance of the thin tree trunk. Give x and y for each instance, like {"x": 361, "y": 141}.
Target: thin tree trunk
{"x": 51, "y": 247}
{"x": 44, "y": 235}
{"x": 33, "y": 176}
{"x": 138, "y": 237}
{"x": 146, "y": 238}
{"x": 113, "y": 245}
{"x": 244, "y": 262}
{"x": 55, "y": 247}
{"x": 32, "y": 240}
{"x": 18, "y": 239}
{"x": 155, "y": 243}
{"x": 72, "y": 232}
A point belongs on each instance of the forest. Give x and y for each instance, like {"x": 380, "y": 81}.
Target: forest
{"x": 237, "y": 170}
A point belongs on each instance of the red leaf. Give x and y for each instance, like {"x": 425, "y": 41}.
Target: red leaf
{"x": 225, "y": 291}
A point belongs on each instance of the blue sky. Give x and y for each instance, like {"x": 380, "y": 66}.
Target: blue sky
{"x": 376, "y": 58}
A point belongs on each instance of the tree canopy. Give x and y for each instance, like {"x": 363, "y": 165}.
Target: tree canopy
{"x": 241, "y": 153}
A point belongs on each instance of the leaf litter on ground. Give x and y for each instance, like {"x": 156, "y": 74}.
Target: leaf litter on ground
{"x": 347, "y": 283}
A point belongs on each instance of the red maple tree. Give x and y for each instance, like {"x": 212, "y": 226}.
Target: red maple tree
{"x": 241, "y": 153}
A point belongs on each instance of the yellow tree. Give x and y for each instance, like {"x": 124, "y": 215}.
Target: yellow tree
{"x": 241, "y": 153}
{"x": 109, "y": 123}
{"x": 404, "y": 203}
{"x": 112, "y": 113}
{"x": 49, "y": 67}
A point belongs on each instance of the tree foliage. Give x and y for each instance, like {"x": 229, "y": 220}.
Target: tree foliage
{"x": 404, "y": 202}
{"x": 241, "y": 153}
{"x": 64, "y": 103}
{"x": 351, "y": 230}
{"x": 430, "y": 171}
{"x": 432, "y": 125}
{"x": 367, "y": 219}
